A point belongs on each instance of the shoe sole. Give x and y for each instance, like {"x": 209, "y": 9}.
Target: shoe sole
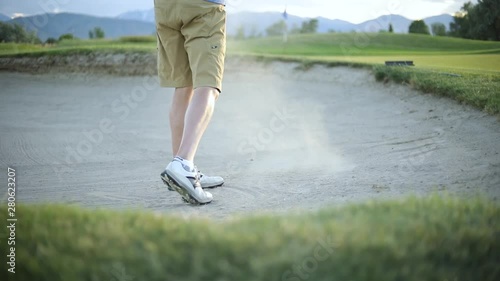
{"x": 186, "y": 197}
{"x": 208, "y": 187}
{"x": 213, "y": 187}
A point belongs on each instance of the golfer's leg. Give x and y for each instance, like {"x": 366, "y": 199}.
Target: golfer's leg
{"x": 198, "y": 116}
{"x": 180, "y": 103}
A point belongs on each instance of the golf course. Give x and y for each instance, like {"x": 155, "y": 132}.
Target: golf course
{"x": 337, "y": 167}
{"x": 465, "y": 70}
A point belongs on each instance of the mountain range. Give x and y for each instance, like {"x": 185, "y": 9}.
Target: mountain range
{"x": 4, "y": 17}
{"x": 254, "y": 23}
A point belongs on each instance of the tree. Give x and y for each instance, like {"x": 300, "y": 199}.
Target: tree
{"x": 7, "y": 33}
{"x": 276, "y": 29}
{"x": 419, "y": 27}
{"x": 460, "y": 27}
{"x": 51, "y": 41}
{"x": 391, "y": 28}
{"x": 480, "y": 21}
{"x": 489, "y": 24}
{"x": 310, "y": 26}
{"x": 16, "y": 33}
{"x": 67, "y": 36}
{"x": 99, "y": 33}
{"x": 91, "y": 34}
{"x": 438, "y": 29}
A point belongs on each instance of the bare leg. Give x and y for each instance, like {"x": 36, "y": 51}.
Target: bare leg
{"x": 180, "y": 103}
{"x": 198, "y": 116}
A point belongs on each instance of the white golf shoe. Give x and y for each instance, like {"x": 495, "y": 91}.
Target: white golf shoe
{"x": 206, "y": 182}
{"x": 210, "y": 182}
{"x": 187, "y": 183}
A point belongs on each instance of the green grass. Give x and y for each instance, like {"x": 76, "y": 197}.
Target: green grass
{"x": 356, "y": 44}
{"x": 414, "y": 239}
{"x": 474, "y": 65}
{"x": 477, "y": 63}
{"x": 425, "y": 51}
{"x": 75, "y": 47}
{"x": 479, "y": 90}
{"x": 11, "y": 49}
{"x": 138, "y": 39}
{"x": 471, "y": 63}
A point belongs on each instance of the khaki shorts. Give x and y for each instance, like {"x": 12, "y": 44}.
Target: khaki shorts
{"x": 191, "y": 43}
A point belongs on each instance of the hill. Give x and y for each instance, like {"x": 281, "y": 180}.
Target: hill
{"x": 445, "y": 19}
{"x": 328, "y": 25}
{"x": 79, "y": 25}
{"x": 4, "y": 17}
{"x": 142, "y": 23}
{"x": 256, "y": 22}
{"x": 144, "y": 15}
{"x": 399, "y": 23}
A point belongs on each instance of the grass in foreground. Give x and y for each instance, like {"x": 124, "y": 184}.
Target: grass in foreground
{"x": 415, "y": 239}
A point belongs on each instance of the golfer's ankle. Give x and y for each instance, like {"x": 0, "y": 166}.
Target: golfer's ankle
{"x": 186, "y": 162}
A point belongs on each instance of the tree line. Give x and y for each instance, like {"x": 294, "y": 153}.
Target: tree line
{"x": 16, "y": 33}
{"x": 479, "y": 21}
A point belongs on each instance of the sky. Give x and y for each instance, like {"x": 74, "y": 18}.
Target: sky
{"x": 354, "y": 11}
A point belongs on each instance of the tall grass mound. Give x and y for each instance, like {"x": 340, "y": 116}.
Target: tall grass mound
{"x": 479, "y": 90}
{"x": 138, "y": 39}
{"x": 415, "y": 239}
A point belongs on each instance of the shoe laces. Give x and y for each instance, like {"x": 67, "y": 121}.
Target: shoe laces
{"x": 197, "y": 178}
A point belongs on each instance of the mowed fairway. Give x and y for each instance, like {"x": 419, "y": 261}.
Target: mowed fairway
{"x": 425, "y": 51}
{"x": 464, "y": 63}
{"x": 370, "y": 48}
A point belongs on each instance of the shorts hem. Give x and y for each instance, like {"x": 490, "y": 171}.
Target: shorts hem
{"x": 208, "y": 85}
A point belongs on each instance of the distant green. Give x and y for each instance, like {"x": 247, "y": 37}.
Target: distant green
{"x": 365, "y": 44}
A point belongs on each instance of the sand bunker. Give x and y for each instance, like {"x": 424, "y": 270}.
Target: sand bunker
{"x": 284, "y": 139}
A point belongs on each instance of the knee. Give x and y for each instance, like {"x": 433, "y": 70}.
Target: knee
{"x": 207, "y": 93}
{"x": 216, "y": 94}
{"x": 213, "y": 92}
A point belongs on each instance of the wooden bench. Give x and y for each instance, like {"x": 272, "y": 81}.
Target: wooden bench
{"x": 400, "y": 63}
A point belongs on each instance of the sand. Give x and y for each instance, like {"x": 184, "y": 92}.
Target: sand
{"x": 285, "y": 140}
